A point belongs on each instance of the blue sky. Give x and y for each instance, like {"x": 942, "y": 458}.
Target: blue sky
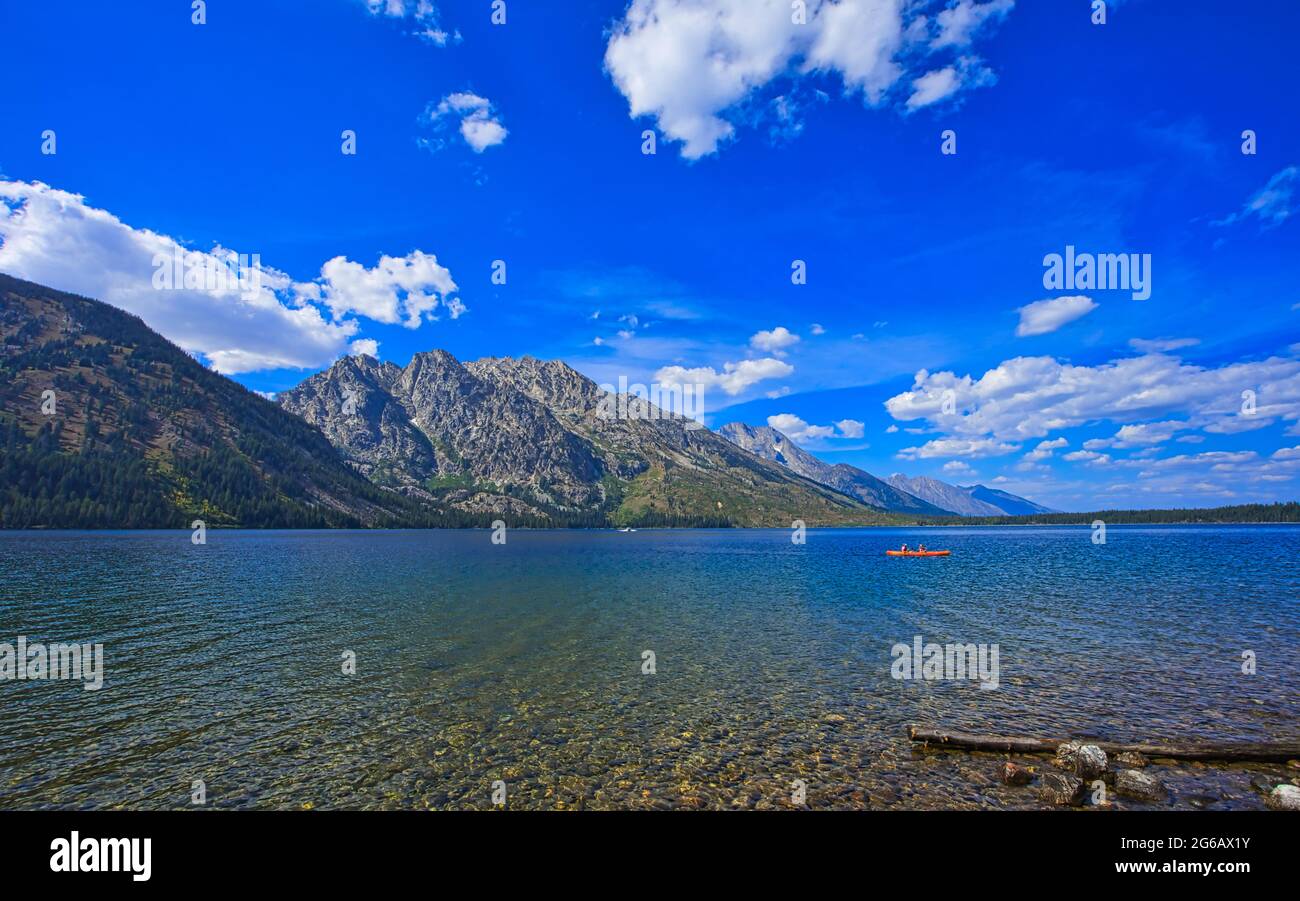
{"x": 820, "y": 142}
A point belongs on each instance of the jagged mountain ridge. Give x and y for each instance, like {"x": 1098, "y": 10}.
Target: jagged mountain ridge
{"x": 771, "y": 444}
{"x": 528, "y": 435}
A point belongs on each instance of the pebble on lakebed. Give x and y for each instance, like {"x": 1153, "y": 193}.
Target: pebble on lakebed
{"x": 1015, "y": 774}
{"x": 1131, "y": 759}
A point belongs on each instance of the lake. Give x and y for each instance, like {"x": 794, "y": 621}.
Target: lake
{"x": 525, "y": 662}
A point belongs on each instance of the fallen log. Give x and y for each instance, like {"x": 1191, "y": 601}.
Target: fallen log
{"x": 1260, "y": 752}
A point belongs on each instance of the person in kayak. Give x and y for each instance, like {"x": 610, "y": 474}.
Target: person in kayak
{"x": 903, "y": 549}
{"x": 920, "y": 549}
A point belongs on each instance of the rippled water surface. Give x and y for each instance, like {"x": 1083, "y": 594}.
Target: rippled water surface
{"x": 523, "y": 662}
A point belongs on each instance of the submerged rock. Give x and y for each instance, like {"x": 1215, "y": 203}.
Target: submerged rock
{"x": 1015, "y": 774}
{"x": 1062, "y": 790}
{"x": 1131, "y": 759}
{"x": 1137, "y": 785}
{"x": 1284, "y": 797}
{"x": 1264, "y": 784}
{"x": 1084, "y": 760}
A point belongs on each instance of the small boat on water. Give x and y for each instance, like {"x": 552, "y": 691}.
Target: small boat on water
{"x": 918, "y": 553}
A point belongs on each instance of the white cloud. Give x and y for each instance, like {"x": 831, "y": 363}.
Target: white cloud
{"x": 1044, "y": 316}
{"x": 1272, "y": 204}
{"x": 796, "y": 429}
{"x": 958, "y": 468}
{"x": 405, "y": 289}
{"x": 1161, "y": 345}
{"x": 480, "y": 125}
{"x": 1028, "y": 397}
{"x": 733, "y": 379}
{"x": 959, "y": 22}
{"x": 799, "y": 430}
{"x": 774, "y": 341}
{"x": 55, "y": 238}
{"x": 1092, "y": 458}
{"x": 816, "y": 329}
{"x": 422, "y": 12}
{"x": 692, "y": 64}
{"x": 940, "y": 84}
{"x": 1140, "y": 435}
{"x": 367, "y": 347}
{"x": 851, "y": 428}
{"x": 957, "y": 447}
{"x": 1045, "y": 449}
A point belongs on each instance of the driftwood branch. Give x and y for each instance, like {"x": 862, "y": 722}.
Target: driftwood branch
{"x": 1272, "y": 752}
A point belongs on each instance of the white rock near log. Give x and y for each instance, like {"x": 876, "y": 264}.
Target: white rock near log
{"x": 1283, "y": 797}
{"x": 1084, "y": 760}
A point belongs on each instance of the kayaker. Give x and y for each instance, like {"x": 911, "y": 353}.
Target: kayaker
{"x": 920, "y": 549}
{"x": 903, "y": 549}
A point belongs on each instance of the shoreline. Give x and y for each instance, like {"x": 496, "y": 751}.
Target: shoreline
{"x": 811, "y": 528}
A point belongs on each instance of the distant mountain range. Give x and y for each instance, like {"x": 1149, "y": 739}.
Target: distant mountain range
{"x": 970, "y": 500}
{"x": 106, "y": 424}
{"x": 897, "y": 494}
{"x": 768, "y": 443}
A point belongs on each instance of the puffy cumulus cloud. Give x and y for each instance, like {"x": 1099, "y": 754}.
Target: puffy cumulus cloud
{"x": 692, "y": 64}
{"x": 55, "y": 238}
{"x": 1028, "y": 397}
{"x": 1044, "y": 316}
{"x": 265, "y": 321}
{"x": 1092, "y": 458}
{"x": 851, "y": 428}
{"x": 422, "y": 12}
{"x": 1272, "y": 204}
{"x": 480, "y": 125}
{"x": 958, "y": 447}
{"x": 774, "y": 341}
{"x": 958, "y": 468}
{"x": 797, "y": 429}
{"x": 364, "y": 347}
{"x": 406, "y": 290}
{"x": 733, "y": 379}
{"x": 1045, "y": 449}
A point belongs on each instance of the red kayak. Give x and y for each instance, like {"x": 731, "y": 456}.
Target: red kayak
{"x": 918, "y": 553}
